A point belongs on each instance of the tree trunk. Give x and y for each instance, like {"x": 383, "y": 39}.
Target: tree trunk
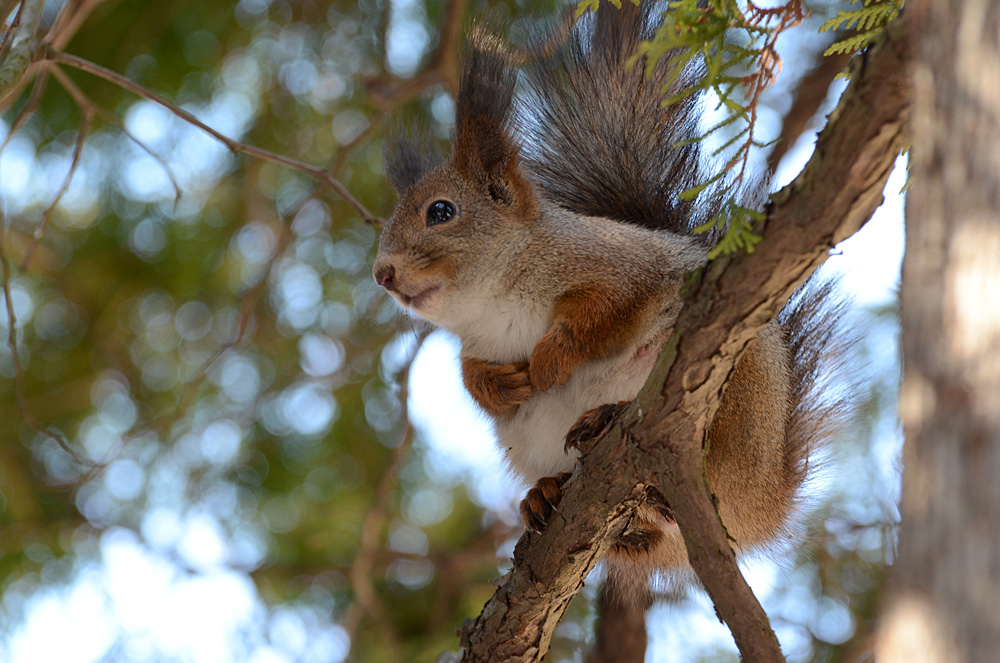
{"x": 943, "y": 599}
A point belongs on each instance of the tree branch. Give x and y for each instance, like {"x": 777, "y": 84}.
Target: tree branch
{"x": 234, "y": 146}
{"x": 388, "y": 92}
{"x": 659, "y": 441}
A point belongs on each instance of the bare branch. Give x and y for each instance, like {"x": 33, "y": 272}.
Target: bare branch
{"x": 11, "y": 29}
{"x": 86, "y": 105}
{"x": 234, "y": 146}
{"x": 659, "y": 442}
{"x": 6, "y": 7}
{"x": 29, "y": 108}
{"x": 832, "y": 198}
{"x": 345, "y": 150}
{"x": 85, "y": 123}
{"x": 388, "y": 92}
{"x": 69, "y": 22}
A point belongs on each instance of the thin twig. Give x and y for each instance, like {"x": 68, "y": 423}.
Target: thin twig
{"x": 88, "y": 118}
{"x": 345, "y": 150}
{"x": 60, "y": 36}
{"x": 10, "y": 29}
{"x": 234, "y": 146}
{"x": 84, "y": 103}
{"x": 39, "y": 233}
{"x": 6, "y": 7}
{"x": 768, "y": 66}
{"x": 22, "y": 401}
{"x": 29, "y": 107}
{"x": 69, "y": 21}
{"x": 388, "y": 92}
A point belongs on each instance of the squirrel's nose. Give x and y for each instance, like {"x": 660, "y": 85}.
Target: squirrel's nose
{"x": 385, "y": 276}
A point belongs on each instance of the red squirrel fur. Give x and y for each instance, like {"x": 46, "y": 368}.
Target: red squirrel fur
{"x": 552, "y": 242}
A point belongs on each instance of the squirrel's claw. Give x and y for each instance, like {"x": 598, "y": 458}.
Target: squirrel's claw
{"x": 592, "y": 423}
{"x": 541, "y": 501}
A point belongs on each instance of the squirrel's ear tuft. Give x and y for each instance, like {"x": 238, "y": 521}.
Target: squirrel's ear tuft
{"x": 409, "y": 156}
{"x": 485, "y": 94}
{"x": 484, "y": 150}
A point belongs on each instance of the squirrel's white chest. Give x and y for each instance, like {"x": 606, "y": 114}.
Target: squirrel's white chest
{"x": 502, "y": 330}
{"x": 505, "y": 330}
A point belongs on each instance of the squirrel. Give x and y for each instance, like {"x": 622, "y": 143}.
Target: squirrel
{"x": 553, "y": 244}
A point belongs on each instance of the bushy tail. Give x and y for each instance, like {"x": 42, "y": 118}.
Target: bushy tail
{"x": 598, "y": 139}
{"x": 822, "y": 349}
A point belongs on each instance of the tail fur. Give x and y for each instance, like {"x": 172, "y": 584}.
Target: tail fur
{"x": 821, "y": 347}
{"x": 598, "y": 139}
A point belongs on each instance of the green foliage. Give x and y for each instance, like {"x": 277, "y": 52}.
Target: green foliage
{"x": 591, "y": 5}
{"x": 736, "y": 223}
{"x": 868, "y": 21}
{"x": 691, "y": 34}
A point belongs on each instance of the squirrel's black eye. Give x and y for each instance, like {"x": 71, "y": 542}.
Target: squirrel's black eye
{"x": 440, "y": 211}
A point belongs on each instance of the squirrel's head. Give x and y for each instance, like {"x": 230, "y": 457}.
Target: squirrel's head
{"x": 455, "y": 221}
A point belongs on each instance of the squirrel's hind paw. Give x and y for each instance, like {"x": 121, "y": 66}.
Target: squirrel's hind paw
{"x": 541, "y": 501}
{"x": 592, "y": 423}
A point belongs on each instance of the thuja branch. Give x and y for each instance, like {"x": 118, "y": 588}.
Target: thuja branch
{"x": 234, "y": 146}
{"x": 732, "y": 301}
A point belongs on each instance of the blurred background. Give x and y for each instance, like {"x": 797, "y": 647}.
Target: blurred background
{"x": 205, "y": 452}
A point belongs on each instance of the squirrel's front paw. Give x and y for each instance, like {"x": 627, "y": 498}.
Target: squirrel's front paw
{"x": 549, "y": 364}
{"x": 592, "y": 423}
{"x": 497, "y": 388}
{"x": 538, "y": 505}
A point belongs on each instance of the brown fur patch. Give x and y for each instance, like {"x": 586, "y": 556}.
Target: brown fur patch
{"x": 591, "y": 322}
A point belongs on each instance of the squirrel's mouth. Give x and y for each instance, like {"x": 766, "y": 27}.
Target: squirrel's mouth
{"x": 419, "y": 299}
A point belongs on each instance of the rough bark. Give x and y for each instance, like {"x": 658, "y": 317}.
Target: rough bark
{"x": 659, "y": 441}
{"x": 942, "y": 600}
